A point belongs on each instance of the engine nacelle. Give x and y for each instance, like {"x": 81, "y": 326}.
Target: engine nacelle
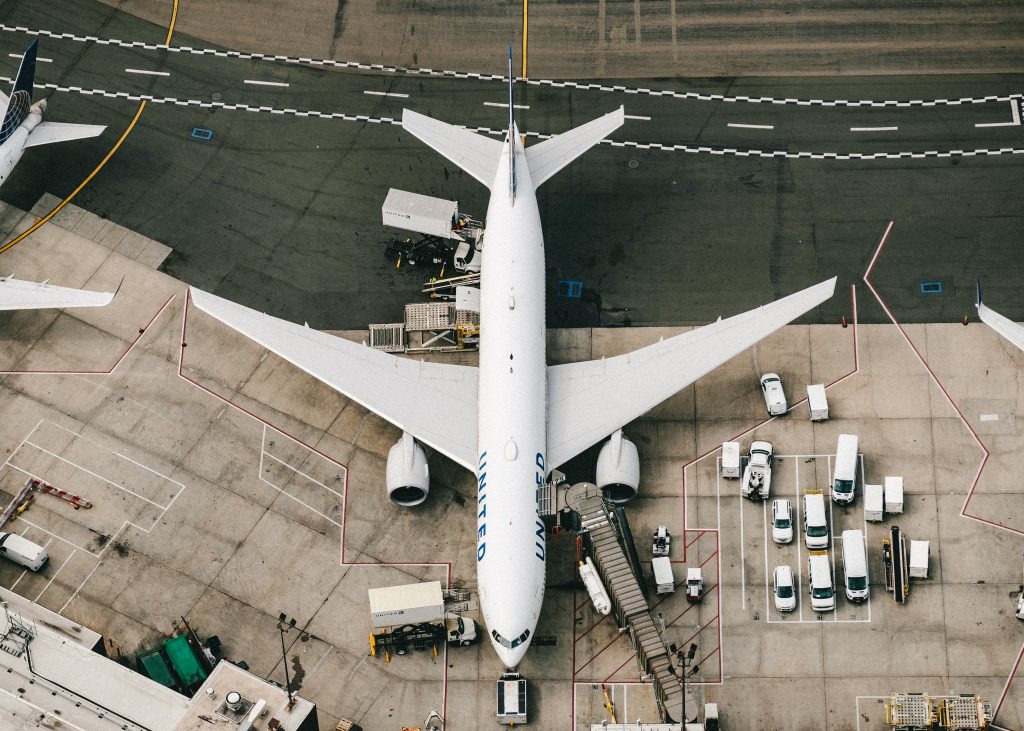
{"x": 408, "y": 476}
{"x": 618, "y": 468}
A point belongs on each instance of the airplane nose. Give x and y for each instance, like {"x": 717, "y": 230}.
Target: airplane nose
{"x": 510, "y": 658}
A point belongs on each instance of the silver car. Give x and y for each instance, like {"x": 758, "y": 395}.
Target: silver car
{"x": 782, "y": 521}
{"x": 774, "y": 396}
{"x": 785, "y": 590}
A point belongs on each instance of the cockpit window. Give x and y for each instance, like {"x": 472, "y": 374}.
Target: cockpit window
{"x": 514, "y": 643}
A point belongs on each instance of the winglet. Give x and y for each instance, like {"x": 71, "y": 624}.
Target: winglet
{"x": 21, "y": 96}
{"x": 977, "y": 300}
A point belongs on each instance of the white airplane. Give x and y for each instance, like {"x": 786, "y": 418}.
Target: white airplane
{"x": 1003, "y": 325}
{"x": 514, "y": 418}
{"x": 18, "y": 294}
{"x": 23, "y": 124}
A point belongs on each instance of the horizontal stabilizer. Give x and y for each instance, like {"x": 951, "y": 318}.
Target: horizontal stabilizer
{"x": 47, "y": 133}
{"x": 551, "y": 155}
{"x": 16, "y": 294}
{"x": 590, "y": 400}
{"x": 435, "y": 402}
{"x": 476, "y": 154}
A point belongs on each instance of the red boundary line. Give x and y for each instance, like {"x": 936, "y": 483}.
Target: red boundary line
{"x": 131, "y": 346}
{"x": 981, "y": 445}
{"x": 344, "y": 513}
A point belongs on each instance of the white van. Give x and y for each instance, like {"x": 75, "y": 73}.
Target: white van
{"x": 844, "y": 479}
{"x": 23, "y": 551}
{"x": 855, "y": 565}
{"x": 815, "y": 523}
{"x": 819, "y": 582}
{"x": 664, "y": 579}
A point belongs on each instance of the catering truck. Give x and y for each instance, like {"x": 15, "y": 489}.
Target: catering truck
{"x": 415, "y": 616}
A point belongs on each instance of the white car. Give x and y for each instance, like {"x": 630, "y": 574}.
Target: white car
{"x": 785, "y": 590}
{"x": 782, "y": 521}
{"x": 774, "y": 396}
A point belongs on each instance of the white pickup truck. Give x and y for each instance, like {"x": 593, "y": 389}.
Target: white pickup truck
{"x": 757, "y": 476}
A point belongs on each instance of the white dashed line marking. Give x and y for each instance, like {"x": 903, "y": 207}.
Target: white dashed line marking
{"x": 873, "y": 129}
{"x": 147, "y": 72}
{"x": 1014, "y": 113}
{"x": 257, "y": 82}
{"x": 751, "y": 126}
{"x": 504, "y": 105}
{"x": 387, "y": 93}
{"x": 38, "y": 58}
{"x": 638, "y": 117}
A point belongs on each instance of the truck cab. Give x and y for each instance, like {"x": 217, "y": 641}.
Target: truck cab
{"x": 662, "y": 543}
{"x": 461, "y": 631}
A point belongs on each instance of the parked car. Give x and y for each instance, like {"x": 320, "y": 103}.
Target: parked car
{"x": 782, "y": 521}
{"x": 785, "y": 589}
{"x": 774, "y": 396}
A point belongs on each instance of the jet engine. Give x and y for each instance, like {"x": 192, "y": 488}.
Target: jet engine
{"x": 618, "y": 468}
{"x": 408, "y": 477}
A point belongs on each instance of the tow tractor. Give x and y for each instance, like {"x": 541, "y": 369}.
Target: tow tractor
{"x": 662, "y": 543}
{"x": 694, "y": 585}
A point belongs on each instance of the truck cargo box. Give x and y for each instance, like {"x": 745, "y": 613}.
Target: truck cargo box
{"x": 420, "y": 213}
{"x": 410, "y": 604}
{"x": 918, "y": 560}
{"x": 873, "y": 503}
{"x": 893, "y": 494}
{"x": 731, "y": 460}
{"x": 817, "y": 402}
{"x": 663, "y": 576}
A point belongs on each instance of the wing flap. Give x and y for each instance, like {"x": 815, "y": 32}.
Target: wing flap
{"x": 17, "y": 294}
{"x": 590, "y": 400}
{"x": 47, "y": 133}
{"x": 435, "y": 402}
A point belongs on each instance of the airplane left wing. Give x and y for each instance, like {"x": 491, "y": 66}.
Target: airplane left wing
{"x": 16, "y": 294}
{"x": 47, "y": 133}
{"x": 590, "y": 400}
{"x": 435, "y": 402}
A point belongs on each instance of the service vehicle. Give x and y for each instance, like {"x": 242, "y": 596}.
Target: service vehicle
{"x": 782, "y": 521}
{"x": 815, "y": 522}
{"x": 918, "y": 566}
{"x": 784, "y": 588}
{"x": 757, "y": 476}
{"x": 662, "y": 543}
{"x": 893, "y": 494}
{"x": 391, "y": 606}
{"x": 731, "y": 460}
{"x": 874, "y": 503}
{"x": 1020, "y": 605}
{"x": 844, "y": 478}
{"x": 855, "y": 565}
{"x": 774, "y": 396}
{"x": 664, "y": 579}
{"x": 23, "y": 551}
{"x": 694, "y": 585}
{"x": 511, "y": 700}
{"x": 817, "y": 402}
{"x": 819, "y": 582}
{"x": 399, "y": 640}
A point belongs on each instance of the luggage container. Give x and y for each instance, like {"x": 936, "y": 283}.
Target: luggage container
{"x": 893, "y": 494}
{"x": 817, "y": 402}
{"x": 420, "y": 213}
{"x": 873, "y": 503}
{"x": 731, "y": 460}
{"x": 664, "y": 579}
{"x": 918, "y": 560}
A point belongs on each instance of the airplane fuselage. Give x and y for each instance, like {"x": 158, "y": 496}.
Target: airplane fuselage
{"x": 512, "y": 415}
{"x": 14, "y": 146}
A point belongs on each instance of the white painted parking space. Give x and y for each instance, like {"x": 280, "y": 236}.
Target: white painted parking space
{"x": 293, "y": 482}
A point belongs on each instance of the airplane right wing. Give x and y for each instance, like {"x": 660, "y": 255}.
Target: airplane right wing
{"x": 47, "y": 133}
{"x": 17, "y": 294}
{"x": 435, "y": 402}
{"x": 590, "y": 400}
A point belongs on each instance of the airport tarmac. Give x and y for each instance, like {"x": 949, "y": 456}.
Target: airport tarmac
{"x": 229, "y": 488}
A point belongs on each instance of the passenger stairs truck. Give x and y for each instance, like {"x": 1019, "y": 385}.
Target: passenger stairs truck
{"x": 757, "y": 477}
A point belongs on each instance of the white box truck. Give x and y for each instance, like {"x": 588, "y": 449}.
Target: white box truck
{"x": 23, "y": 551}
{"x": 391, "y": 606}
{"x": 844, "y": 477}
{"x": 855, "y": 565}
{"x": 874, "y": 503}
{"x": 817, "y": 402}
{"x": 664, "y": 579}
{"x": 731, "y": 460}
{"x": 918, "y": 560}
{"x": 893, "y": 494}
{"x": 420, "y": 213}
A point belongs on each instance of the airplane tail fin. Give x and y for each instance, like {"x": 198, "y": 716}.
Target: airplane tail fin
{"x": 21, "y": 96}
{"x": 977, "y": 300}
{"x": 476, "y": 154}
{"x": 551, "y": 155}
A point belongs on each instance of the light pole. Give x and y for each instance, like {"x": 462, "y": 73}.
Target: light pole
{"x": 281, "y": 627}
